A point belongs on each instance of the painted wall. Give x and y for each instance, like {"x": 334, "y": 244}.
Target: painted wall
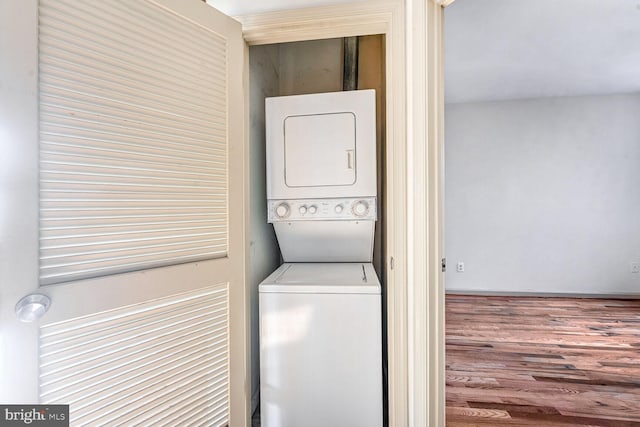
{"x": 515, "y": 49}
{"x": 543, "y": 195}
{"x": 264, "y": 254}
{"x": 310, "y": 67}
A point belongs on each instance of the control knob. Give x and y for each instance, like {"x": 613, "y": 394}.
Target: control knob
{"x": 360, "y": 208}
{"x": 339, "y": 208}
{"x": 302, "y": 209}
{"x": 282, "y": 210}
{"x": 313, "y": 209}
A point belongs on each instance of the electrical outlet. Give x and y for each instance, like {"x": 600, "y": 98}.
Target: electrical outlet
{"x": 460, "y": 267}
{"x": 635, "y": 267}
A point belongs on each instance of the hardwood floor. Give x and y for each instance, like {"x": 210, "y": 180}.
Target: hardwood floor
{"x": 530, "y": 361}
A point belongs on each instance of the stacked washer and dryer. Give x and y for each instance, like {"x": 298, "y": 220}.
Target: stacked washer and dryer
{"x": 320, "y": 312}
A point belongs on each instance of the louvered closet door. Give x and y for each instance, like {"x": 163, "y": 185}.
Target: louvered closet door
{"x": 123, "y": 202}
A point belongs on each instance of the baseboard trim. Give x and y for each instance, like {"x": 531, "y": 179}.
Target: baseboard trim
{"x": 543, "y": 294}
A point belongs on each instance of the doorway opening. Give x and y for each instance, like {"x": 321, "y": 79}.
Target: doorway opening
{"x": 298, "y": 68}
{"x": 541, "y": 231}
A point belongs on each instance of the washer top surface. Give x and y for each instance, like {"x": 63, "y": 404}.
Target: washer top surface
{"x": 328, "y": 278}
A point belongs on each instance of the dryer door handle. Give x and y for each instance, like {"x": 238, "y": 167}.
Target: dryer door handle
{"x": 349, "y": 159}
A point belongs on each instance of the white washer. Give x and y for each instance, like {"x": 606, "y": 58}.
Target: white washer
{"x": 320, "y": 346}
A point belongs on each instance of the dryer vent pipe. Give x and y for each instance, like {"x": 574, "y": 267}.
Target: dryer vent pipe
{"x": 350, "y": 71}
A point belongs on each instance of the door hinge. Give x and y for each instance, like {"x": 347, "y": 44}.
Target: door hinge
{"x": 444, "y": 265}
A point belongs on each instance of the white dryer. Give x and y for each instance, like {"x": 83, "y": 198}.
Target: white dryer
{"x": 321, "y": 175}
{"x": 320, "y": 346}
{"x": 321, "y": 145}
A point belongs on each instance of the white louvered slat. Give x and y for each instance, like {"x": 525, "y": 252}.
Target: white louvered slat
{"x": 133, "y": 139}
{"x": 160, "y": 363}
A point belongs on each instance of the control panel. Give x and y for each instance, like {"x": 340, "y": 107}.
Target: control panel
{"x": 362, "y": 208}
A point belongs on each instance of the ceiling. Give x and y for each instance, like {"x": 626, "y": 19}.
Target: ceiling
{"x": 245, "y": 7}
{"x": 510, "y": 49}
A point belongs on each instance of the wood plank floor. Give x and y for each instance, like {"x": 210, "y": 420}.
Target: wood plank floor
{"x": 530, "y": 361}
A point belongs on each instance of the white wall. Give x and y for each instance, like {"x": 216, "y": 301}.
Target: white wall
{"x": 515, "y": 49}
{"x": 264, "y": 252}
{"x": 543, "y": 195}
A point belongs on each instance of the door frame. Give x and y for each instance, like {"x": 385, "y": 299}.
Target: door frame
{"x": 366, "y": 18}
{"x": 413, "y": 185}
{"x": 426, "y": 309}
